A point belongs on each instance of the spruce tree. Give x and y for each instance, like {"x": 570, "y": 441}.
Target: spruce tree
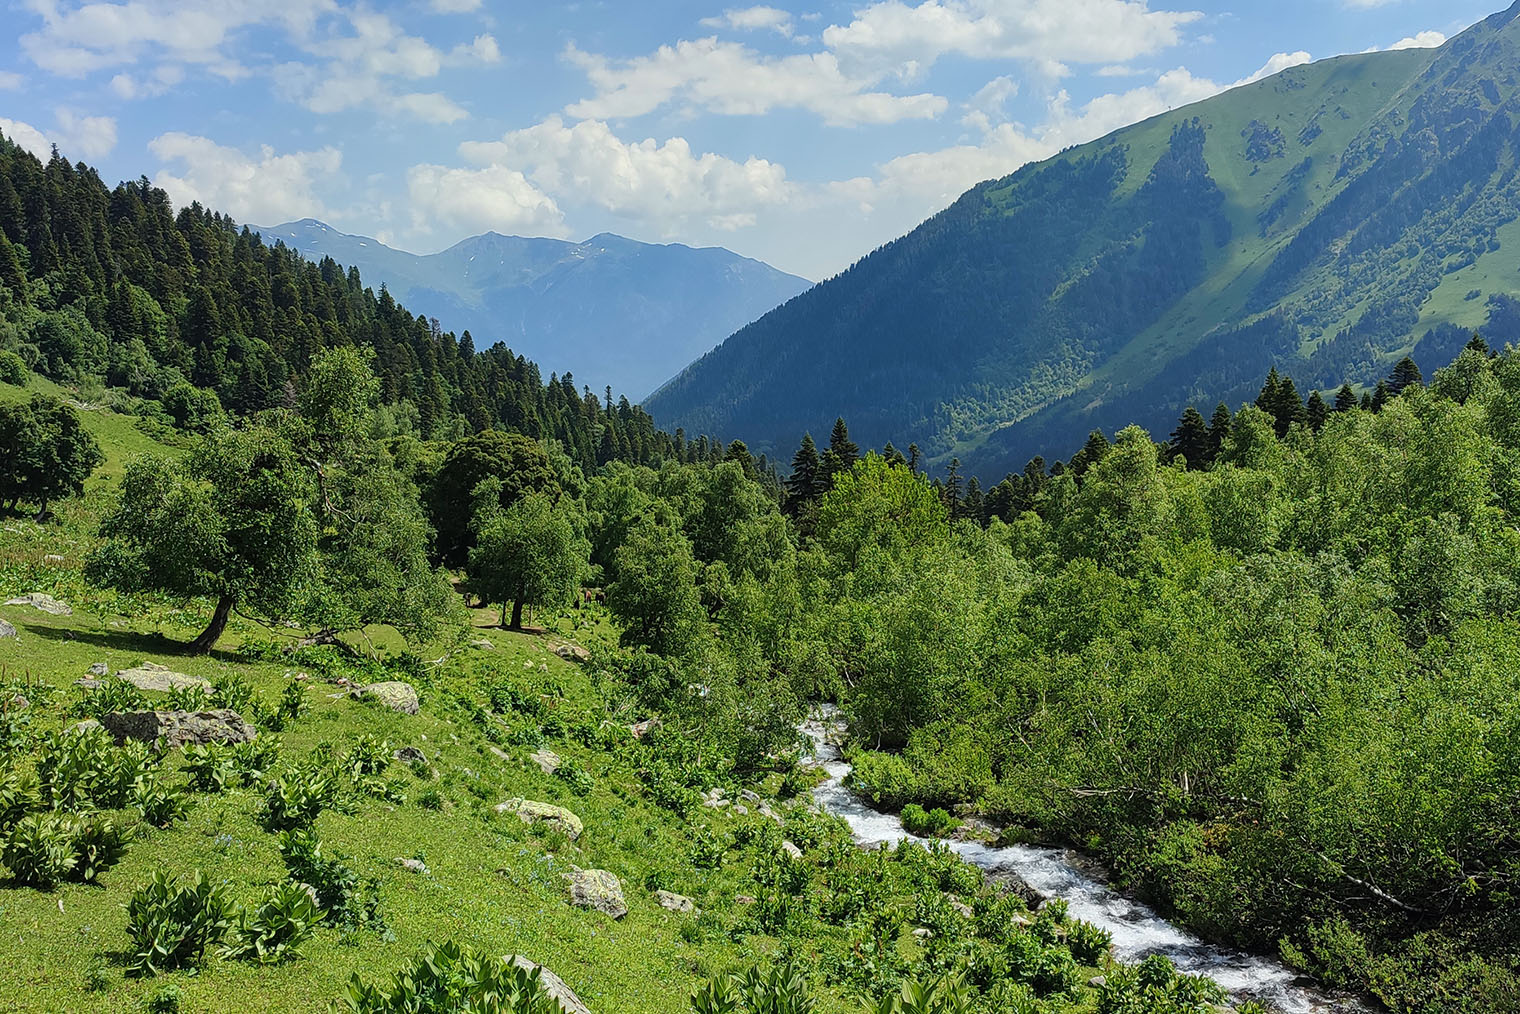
{"x": 952, "y": 489}
{"x": 1317, "y": 412}
{"x": 1380, "y": 396}
{"x": 915, "y": 459}
{"x": 1190, "y": 440}
{"x": 1405, "y": 374}
{"x": 1219, "y": 428}
{"x": 892, "y": 455}
{"x": 1092, "y": 452}
{"x": 1289, "y": 407}
{"x": 843, "y": 447}
{"x": 975, "y": 507}
{"x": 1267, "y": 399}
{"x": 1477, "y": 344}
{"x": 1345, "y": 399}
{"x": 1366, "y": 405}
{"x": 804, "y": 482}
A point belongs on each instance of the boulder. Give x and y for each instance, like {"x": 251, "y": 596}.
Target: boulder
{"x": 791, "y": 850}
{"x": 409, "y": 755}
{"x": 414, "y": 865}
{"x": 396, "y": 695}
{"x": 675, "y": 902}
{"x": 7, "y": 629}
{"x": 641, "y": 729}
{"x": 923, "y": 933}
{"x": 85, "y": 725}
{"x": 86, "y": 683}
{"x": 482, "y": 644}
{"x": 713, "y": 798}
{"x": 530, "y": 812}
{"x": 1097, "y": 982}
{"x": 597, "y": 889}
{"x": 179, "y": 728}
{"x": 553, "y": 985}
{"x": 99, "y": 670}
{"x": 571, "y": 652}
{"x": 43, "y": 601}
{"x": 547, "y": 760}
{"x": 961, "y": 909}
{"x": 151, "y": 676}
{"x": 53, "y": 560}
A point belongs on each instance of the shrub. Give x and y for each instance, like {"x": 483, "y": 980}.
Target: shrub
{"x": 112, "y": 696}
{"x": 293, "y": 701}
{"x": 782, "y": 990}
{"x": 188, "y": 698}
{"x": 368, "y": 756}
{"x": 234, "y": 692}
{"x": 575, "y": 776}
{"x": 1089, "y": 944}
{"x": 430, "y": 799}
{"x": 707, "y": 849}
{"x": 942, "y": 996}
{"x": 13, "y": 369}
{"x": 935, "y": 823}
{"x": 885, "y": 780}
{"x": 209, "y": 766}
{"x": 166, "y": 1000}
{"x": 297, "y": 797}
{"x": 448, "y": 978}
{"x": 158, "y": 805}
{"x": 99, "y": 843}
{"x": 254, "y": 759}
{"x": 169, "y": 926}
{"x": 20, "y": 794}
{"x": 350, "y": 902}
{"x": 271, "y": 932}
{"x": 40, "y": 850}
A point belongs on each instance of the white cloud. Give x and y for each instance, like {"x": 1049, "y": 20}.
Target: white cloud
{"x": 1421, "y": 40}
{"x": 663, "y": 187}
{"x": 483, "y": 49}
{"x": 475, "y": 199}
{"x": 749, "y": 19}
{"x": 84, "y": 136}
{"x": 267, "y": 188}
{"x": 1276, "y": 65}
{"x": 81, "y": 36}
{"x": 985, "y": 108}
{"x": 456, "y": 6}
{"x": 894, "y": 36}
{"x": 10, "y": 81}
{"x": 28, "y": 136}
{"x": 731, "y": 79}
{"x": 161, "y": 80}
{"x": 431, "y": 107}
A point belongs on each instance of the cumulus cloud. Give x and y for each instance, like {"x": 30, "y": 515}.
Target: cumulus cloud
{"x": 662, "y": 186}
{"x": 731, "y": 79}
{"x": 493, "y": 197}
{"x": 749, "y": 19}
{"x": 142, "y": 86}
{"x": 86, "y": 136}
{"x": 28, "y": 136}
{"x": 1421, "y": 40}
{"x": 906, "y": 39}
{"x": 266, "y": 188}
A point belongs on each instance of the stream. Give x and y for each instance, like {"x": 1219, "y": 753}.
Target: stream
{"x": 1137, "y": 930}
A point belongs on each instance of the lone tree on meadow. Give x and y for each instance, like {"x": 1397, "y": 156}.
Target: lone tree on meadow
{"x": 232, "y": 522}
{"x": 526, "y": 554}
{"x": 46, "y": 454}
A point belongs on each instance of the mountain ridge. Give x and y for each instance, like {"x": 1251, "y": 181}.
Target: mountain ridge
{"x": 614, "y": 311}
{"x": 1326, "y": 220}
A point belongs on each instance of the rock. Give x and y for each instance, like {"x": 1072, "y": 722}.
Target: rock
{"x": 53, "y": 560}
{"x": 150, "y": 676}
{"x": 713, "y": 799}
{"x": 482, "y": 644}
{"x": 99, "y": 670}
{"x": 1097, "y": 982}
{"x": 743, "y": 899}
{"x": 394, "y": 694}
{"x": 499, "y": 753}
{"x": 923, "y": 933}
{"x": 571, "y": 652}
{"x": 547, "y": 760}
{"x": 20, "y": 703}
{"x": 675, "y": 902}
{"x": 415, "y": 865}
{"x": 1010, "y": 882}
{"x": 43, "y": 601}
{"x": 751, "y": 796}
{"x": 961, "y": 909}
{"x": 764, "y": 810}
{"x": 597, "y": 889}
{"x": 553, "y": 985}
{"x": 640, "y": 729}
{"x": 7, "y": 629}
{"x": 85, "y": 725}
{"x": 741, "y": 809}
{"x": 179, "y": 728}
{"x": 530, "y": 812}
{"x": 89, "y": 684}
{"x": 791, "y": 850}
{"x": 409, "y": 755}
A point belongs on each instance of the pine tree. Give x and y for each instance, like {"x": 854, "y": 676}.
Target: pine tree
{"x": 1405, "y": 374}
{"x": 892, "y": 455}
{"x": 1345, "y": 399}
{"x": 1289, "y": 408}
{"x": 1380, "y": 396}
{"x": 952, "y": 489}
{"x": 1267, "y": 399}
{"x": 845, "y": 449}
{"x": 975, "y": 507}
{"x": 1219, "y": 428}
{"x": 1092, "y": 452}
{"x": 805, "y": 481}
{"x": 915, "y": 459}
{"x": 1190, "y": 440}
{"x": 1366, "y": 405}
{"x": 1477, "y": 344}
{"x": 1317, "y": 412}
{"x": 737, "y": 451}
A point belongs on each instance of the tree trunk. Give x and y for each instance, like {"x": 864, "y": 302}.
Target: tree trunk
{"x": 517, "y": 605}
{"x": 503, "y": 612}
{"x": 204, "y": 643}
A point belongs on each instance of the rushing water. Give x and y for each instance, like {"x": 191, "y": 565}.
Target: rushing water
{"x": 1137, "y": 930}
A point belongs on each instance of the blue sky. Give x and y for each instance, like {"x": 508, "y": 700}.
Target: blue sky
{"x": 804, "y": 135}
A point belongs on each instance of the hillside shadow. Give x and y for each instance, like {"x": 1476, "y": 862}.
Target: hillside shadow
{"x": 125, "y": 641}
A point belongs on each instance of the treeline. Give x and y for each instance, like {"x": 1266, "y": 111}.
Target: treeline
{"x": 187, "y": 316}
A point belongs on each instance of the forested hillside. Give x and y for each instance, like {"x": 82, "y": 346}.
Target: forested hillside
{"x": 111, "y": 287}
{"x": 614, "y": 310}
{"x": 1328, "y": 220}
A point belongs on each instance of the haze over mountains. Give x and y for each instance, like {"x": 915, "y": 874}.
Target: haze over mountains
{"x": 1327, "y": 220}
{"x": 611, "y": 310}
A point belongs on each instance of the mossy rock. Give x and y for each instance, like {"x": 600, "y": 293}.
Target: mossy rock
{"x": 530, "y": 812}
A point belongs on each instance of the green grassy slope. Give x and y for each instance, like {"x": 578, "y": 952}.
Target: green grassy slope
{"x": 1327, "y": 220}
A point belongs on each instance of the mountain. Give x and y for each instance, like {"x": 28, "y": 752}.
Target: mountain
{"x": 1327, "y": 220}
{"x": 611, "y": 310}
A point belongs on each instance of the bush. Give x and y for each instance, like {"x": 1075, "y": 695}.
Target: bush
{"x": 707, "y": 849}
{"x": 112, "y": 696}
{"x": 235, "y": 692}
{"x": 209, "y": 766}
{"x": 350, "y": 902}
{"x": 81, "y": 768}
{"x": 884, "y": 780}
{"x": 575, "y": 776}
{"x": 935, "y": 823}
{"x": 20, "y": 794}
{"x": 1089, "y": 944}
{"x": 158, "y": 805}
{"x": 165, "y": 1001}
{"x": 40, "y": 850}
{"x": 254, "y": 759}
{"x": 13, "y": 369}
{"x": 271, "y": 932}
{"x": 170, "y": 927}
{"x": 297, "y": 797}
{"x": 368, "y": 756}
{"x": 448, "y": 978}
{"x": 783, "y": 990}
{"x": 293, "y": 701}
{"x": 99, "y": 844}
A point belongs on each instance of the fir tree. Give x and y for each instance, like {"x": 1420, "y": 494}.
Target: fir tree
{"x": 975, "y": 507}
{"x": 1380, "y": 396}
{"x": 1345, "y": 399}
{"x": 1477, "y": 344}
{"x": 845, "y": 449}
{"x": 1092, "y": 452}
{"x": 1219, "y": 428}
{"x": 1289, "y": 407}
{"x": 1190, "y": 440}
{"x": 915, "y": 459}
{"x": 1405, "y": 374}
{"x": 805, "y": 481}
{"x": 952, "y": 491}
{"x": 1317, "y": 412}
